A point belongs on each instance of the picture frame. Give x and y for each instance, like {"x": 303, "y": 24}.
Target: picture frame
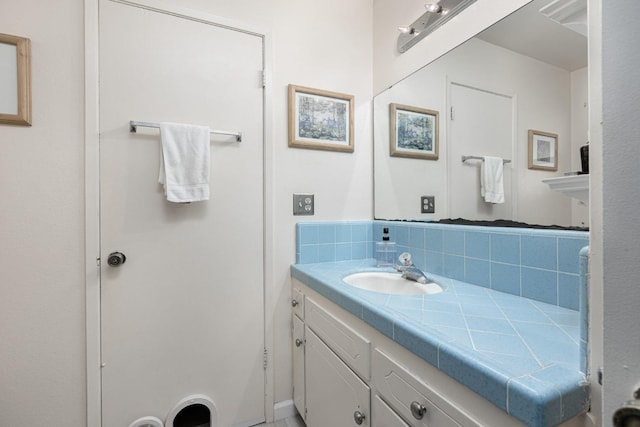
{"x": 414, "y": 132}
{"x": 543, "y": 150}
{"x": 320, "y": 119}
{"x": 15, "y": 80}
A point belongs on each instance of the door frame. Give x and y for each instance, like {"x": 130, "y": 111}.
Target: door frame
{"x": 92, "y": 194}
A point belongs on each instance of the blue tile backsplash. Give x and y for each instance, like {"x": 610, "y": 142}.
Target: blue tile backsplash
{"x": 539, "y": 264}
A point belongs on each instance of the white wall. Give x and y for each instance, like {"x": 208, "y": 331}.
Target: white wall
{"x": 42, "y": 362}
{"x": 543, "y": 102}
{"x": 324, "y": 45}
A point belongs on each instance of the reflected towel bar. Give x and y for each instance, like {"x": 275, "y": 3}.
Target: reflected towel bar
{"x": 133, "y": 127}
{"x": 465, "y": 158}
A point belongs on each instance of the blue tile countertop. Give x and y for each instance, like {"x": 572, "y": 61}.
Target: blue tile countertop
{"x": 521, "y": 355}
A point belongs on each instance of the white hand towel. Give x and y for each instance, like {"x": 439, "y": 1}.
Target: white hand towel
{"x": 184, "y": 162}
{"x": 491, "y": 181}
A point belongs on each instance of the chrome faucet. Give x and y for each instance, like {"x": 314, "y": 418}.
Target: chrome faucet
{"x": 409, "y": 270}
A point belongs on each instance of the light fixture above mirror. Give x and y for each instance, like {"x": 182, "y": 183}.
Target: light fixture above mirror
{"x": 437, "y": 13}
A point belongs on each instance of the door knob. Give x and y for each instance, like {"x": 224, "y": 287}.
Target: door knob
{"x": 116, "y": 258}
{"x": 299, "y": 342}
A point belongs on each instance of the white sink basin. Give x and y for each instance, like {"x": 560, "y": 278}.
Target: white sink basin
{"x": 390, "y": 283}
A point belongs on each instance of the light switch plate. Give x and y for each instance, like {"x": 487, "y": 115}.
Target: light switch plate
{"x": 303, "y": 204}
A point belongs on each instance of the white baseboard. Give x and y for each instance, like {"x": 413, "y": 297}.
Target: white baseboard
{"x": 284, "y": 409}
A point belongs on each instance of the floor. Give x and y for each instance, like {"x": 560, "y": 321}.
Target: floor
{"x": 287, "y": 422}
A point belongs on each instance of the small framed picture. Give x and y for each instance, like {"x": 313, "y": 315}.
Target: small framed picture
{"x": 320, "y": 119}
{"x": 413, "y": 132}
{"x": 543, "y": 150}
{"x": 15, "y": 80}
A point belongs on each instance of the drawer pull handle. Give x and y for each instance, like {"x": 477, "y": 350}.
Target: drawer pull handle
{"x": 294, "y": 303}
{"x": 359, "y": 417}
{"x": 299, "y": 342}
{"x": 418, "y": 410}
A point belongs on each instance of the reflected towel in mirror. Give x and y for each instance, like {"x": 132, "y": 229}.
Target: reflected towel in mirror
{"x": 491, "y": 179}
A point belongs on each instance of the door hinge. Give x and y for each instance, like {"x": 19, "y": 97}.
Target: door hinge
{"x": 265, "y": 359}
{"x": 264, "y": 78}
{"x": 98, "y": 261}
{"x": 451, "y": 112}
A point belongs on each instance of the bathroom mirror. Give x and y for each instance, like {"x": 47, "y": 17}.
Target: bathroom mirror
{"x": 528, "y": 71}
{"x": 15, "y": 87}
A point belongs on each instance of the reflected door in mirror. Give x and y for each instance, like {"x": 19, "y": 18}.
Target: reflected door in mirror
{"x": 481, "y": 124}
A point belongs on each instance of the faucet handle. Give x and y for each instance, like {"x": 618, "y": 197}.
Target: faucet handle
{"x": 405, "y": 259}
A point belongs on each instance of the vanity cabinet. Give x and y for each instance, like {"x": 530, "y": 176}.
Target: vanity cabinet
{"x": 343, "y": 376}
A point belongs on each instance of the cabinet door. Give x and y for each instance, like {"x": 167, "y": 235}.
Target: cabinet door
{"x": 383, "y": 416}
{"x": 335, "y": 394}
{"x": 298, "y": 365}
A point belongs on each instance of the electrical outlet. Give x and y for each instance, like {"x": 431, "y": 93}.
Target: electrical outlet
{"x": 303, "y": 204}
{"x": 428, "y": 204}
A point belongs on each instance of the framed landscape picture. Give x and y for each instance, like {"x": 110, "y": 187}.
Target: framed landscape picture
{"x": 320, "y": 119}
{"x": 543, "y": 150}
{"x": 413, "y": 132}
{"x": 15, "y": 80}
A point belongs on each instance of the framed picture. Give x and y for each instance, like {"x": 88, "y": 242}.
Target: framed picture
{"x": 543, "y": 150}
{"x": 413, "y": 132}
{"x": 320, "y": 119}
{"x": 15, "y": 80}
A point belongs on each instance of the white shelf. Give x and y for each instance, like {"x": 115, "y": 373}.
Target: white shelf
{"x": 576, "y": 186}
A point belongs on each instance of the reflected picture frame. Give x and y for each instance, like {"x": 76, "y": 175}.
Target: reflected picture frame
{"x": 543, "y": 150}
{"x": 15, "y": 80}
{"x": 414, "y": 132}
{"x": 320, "y": 119}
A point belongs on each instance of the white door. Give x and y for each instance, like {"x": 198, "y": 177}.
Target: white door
{"x": 184, "y": 314}
{"x": 480, "y": 124}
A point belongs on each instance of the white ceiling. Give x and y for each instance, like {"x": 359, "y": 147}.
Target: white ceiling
{"x": 530, "y": 33}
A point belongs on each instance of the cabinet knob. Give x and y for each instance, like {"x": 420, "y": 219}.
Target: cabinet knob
{"x": 299, "y": 342}
{"x": 294, "y": 303}
{"x": 418, "y": 410}
{"x": 359, "y": 417}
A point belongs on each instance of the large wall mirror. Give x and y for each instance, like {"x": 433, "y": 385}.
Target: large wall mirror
{"x": 526, "y": 72}
{"x": 15, "y": 80}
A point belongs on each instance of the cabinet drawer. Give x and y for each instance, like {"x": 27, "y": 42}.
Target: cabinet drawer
{"x": 383, "y": 416}
{"x": 297, "y": 302}
{"x": 401, "y": 389}
{"x": 351, "y": 347}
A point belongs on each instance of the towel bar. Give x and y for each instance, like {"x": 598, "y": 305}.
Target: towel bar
{"x": 465, "y": 158}
{"x": 133, "y": 127}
